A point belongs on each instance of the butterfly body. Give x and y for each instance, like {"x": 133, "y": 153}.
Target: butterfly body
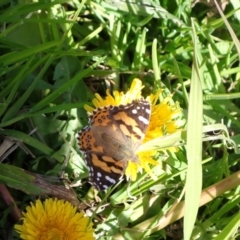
{"x": 111, "y": 140}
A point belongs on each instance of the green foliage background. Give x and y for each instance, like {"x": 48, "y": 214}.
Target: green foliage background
{"x": 55, "y": 55}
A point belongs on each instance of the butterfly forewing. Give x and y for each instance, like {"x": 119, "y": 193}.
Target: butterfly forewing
{"x": 132, "y": 119}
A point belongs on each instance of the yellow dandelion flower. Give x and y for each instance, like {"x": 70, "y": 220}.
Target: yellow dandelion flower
{"x": 162, "y": 122}
{"x": 54, "y": 219}
{"x": 163, "y": 119}
{"x": 118, "y": 98}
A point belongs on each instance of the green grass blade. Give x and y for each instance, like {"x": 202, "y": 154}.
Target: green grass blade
{"x": 31, "y": 141}
{"x": 194, "y": 148}
{"x": 64, "y": 87}
{"x": 229, "y": 230}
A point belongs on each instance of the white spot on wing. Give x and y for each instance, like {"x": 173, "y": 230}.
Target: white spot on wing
{"x": 143, "y": 119}
{"x": 111, "y": 180}
{"x": 134, "y": 111}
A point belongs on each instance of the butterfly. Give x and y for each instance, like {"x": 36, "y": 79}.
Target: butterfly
{"x": 111, "y": 139}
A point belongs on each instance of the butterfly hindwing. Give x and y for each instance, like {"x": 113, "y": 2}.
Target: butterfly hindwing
{"x": 103, "y": 171}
